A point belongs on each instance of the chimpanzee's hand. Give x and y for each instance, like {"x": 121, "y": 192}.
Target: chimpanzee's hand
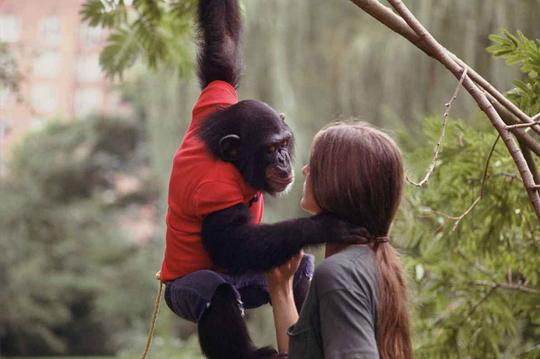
{"x": 336, "y": 230}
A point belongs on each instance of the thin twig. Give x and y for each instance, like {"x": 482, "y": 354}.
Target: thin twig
{"x": 442, "y": 55}
{"x": 458, "y": 219}
{"x": 511, "y": 286}
{"x": 482, "y": 300}
{"x": 494, "y": 282}
{"x": 510, "y": 176}
{"x": 464, "y": 214}
{"x": 521, "y": 125}
{"x": 448, "y": 106}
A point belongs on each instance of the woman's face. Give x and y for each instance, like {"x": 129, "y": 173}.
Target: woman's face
{"x": 308, "y": 202}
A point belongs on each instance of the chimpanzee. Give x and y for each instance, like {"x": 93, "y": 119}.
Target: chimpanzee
{"x": 216, "y": 250}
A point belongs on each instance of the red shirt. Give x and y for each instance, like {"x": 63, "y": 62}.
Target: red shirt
{"x": 201, "y": 184}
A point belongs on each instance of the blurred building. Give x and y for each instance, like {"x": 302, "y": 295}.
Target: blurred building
{"x": 58, "y": 58}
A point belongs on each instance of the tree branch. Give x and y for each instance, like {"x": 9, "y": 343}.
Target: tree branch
{"x": 521, "y": 125}
{"x": 511, "y": 286}
{"x": 482, "y": 185}
{"x": 530, "y": 160}
{"x": 448, "y": 105}
{"x": 442, "y": 55}
{"x": 387, "y": 17}
{"x": 520, "y": 134}
{"x": 477, "y": 304}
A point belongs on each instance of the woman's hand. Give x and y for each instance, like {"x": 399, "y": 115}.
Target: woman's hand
{"x": 281, "y": 277}
{"x": 280, "y": 282}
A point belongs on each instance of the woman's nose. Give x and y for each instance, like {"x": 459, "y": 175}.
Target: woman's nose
{"x": 305, "y": 170}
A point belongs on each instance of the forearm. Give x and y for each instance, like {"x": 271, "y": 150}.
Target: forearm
{"x": 240, "y": 246}
{"x": 285, "y": 314}
{"x": 258, "y": 248}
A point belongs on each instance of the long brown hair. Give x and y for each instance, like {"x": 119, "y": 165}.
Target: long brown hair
{"x": 357, "y": 173}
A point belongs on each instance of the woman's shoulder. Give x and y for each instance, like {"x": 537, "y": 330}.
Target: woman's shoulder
{"x": 351, "y": 269}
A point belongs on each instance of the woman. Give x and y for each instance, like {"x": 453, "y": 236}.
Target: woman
{"x": 357, "y": 303}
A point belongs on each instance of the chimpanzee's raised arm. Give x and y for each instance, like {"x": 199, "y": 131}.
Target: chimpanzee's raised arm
{"x": 220, "y": 26}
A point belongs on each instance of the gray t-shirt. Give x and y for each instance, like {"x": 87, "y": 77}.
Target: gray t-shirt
{"x": 339, "y": 317}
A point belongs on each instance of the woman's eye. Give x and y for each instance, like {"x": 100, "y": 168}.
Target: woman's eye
{"x": 285, "y": 143}
{"x": 272, "y": 149}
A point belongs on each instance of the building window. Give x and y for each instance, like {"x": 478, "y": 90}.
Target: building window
{"x": 37, "y": 123}
{"x": 90, "y": 36}
{"x": 50, "y": 30}
{"x": 88, "y": 69}
{"x": 47, "y": 64}
{"x": 88, "y": 100}
{"x": 5, "y": 128}
{"x": 10, "y": 28}
{"x": 43, "y": 98}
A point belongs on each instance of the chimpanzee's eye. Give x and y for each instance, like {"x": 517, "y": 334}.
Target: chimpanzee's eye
{"x": 271, "y": 149}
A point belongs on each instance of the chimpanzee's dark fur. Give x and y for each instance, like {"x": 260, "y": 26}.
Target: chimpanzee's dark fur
{"x": 220, "y": 26}
{"x": 257, "y": 125}
{"x": 239, "y": 246}
{"x": 232, "y": 242}
{"x": 223, "y": 333}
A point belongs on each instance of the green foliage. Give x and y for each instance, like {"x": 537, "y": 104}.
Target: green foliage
{"x": 155, "y": 31}
{"x": 64, "y": 257}
{"x": 476, "y": 288}
{"x": 519, "y": 50}
{"x": 461, "y": 311}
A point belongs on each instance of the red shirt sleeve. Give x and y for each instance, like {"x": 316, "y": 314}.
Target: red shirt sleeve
{"x": 215, "y": 196}
{"x": 218, "y": 94}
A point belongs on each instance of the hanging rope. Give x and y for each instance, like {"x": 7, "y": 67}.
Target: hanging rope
{"x": 154, "y": 318}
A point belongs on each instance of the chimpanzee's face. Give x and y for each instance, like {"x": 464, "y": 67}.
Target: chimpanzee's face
{"x": 262, "y": 151}
{"x": 277, "y": 153}
{"x": 255, "y": 138}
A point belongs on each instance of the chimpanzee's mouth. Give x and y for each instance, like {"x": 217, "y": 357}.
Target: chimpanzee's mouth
{"x": 280, "y": 184}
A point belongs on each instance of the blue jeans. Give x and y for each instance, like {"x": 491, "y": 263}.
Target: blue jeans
{"x": 190, "y": 295}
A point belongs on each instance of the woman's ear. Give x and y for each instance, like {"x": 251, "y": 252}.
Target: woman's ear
{"x": 230, "y": 147}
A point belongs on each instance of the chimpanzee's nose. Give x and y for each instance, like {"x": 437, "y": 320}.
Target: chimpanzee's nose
{"x": 283, "y": 173}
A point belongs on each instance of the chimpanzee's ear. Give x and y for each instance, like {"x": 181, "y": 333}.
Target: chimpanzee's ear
{"x": 230, "y": 147}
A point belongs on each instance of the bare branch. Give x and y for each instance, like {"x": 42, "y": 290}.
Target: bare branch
{"x": 521, "y": 125}
{"x": 530, "y": 160}
{"x": 458, "y": 219}
{"x": 477, "y": 304}
{"x": 509, "y": 105}
{"x": 387, "y": 17}
{"x": 441, "y": 137}
{"x": 464, "y": 214}
{"x": 520, "y": 134}
{"x": 482, "y": 185}
{"x": 511, "y": 286}
{"x": 494, "y": 282}
{"x": 442, "y": 55}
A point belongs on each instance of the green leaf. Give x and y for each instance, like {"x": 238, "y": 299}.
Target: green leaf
{"x": 120, "y": 53}
{"x": 104, "y": 13}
